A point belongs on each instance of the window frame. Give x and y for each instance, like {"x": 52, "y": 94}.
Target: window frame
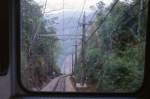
{"x": 20, "y": 89}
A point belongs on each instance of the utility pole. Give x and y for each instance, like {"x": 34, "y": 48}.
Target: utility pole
{"x": 52, "y": 58}
{"x": 76, "y": 58}
{"x": 72, "y": 63}
{"x": 83, "y": 62}
{"x": 76, "y": 47}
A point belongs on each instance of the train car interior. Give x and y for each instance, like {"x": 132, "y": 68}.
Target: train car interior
{"x": 74, "y": 49}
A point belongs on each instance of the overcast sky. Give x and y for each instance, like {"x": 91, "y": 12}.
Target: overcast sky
{"x": 73, "y": 6}
{"x": 70, "y": 4}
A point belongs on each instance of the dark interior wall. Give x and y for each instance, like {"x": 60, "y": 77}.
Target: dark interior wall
{"x": 5, "y": 87}
{"x": 4, "y": 36}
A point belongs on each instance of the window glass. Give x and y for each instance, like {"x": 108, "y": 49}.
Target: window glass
{"x": 83, "y": 45}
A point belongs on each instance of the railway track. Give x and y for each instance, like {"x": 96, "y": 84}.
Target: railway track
{"x": 60, "y": 84}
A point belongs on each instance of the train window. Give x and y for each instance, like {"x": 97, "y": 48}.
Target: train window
{"x": 83, "y": 45}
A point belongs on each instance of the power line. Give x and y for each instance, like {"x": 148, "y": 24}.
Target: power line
{"x": 122, "y": 20}
{"x": 37, "y": 29}
{"x": 59, "y": 35}
{"x": 103, "y": 19}
{"x": 82, "y": 10}
{"x": 80, "y": 15}
{"x": 53, "y": 10}
{"x": 63, "y": 30}
{"x": 92, "y": 19}
{"x": 44, "y": 8}
{"x": 77, "y": 11}
{"x": 130, "y": 18}
{"x": 63, "y": 17}
{"x": 73, "y": 16}
{"x": 95, "y": 13}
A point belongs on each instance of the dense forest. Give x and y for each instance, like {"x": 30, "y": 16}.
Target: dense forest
{"x": 115, "y": 53}
{"x": 38, "y": 54}
{"x": 111, "y": 60}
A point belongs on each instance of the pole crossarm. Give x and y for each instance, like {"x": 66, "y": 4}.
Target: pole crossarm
{"x": 59, "y": 35}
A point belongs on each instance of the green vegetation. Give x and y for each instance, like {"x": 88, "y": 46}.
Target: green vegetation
{"x": 38, "y": 54}
{"x": 116, "y": 53}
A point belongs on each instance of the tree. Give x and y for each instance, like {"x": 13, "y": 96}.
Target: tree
{"x": 38, "y": 54}
{"x": 118, "y": 63}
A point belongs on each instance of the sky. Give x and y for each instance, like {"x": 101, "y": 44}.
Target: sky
{"x": 67, "y": 65}
{"x": 70, "y": 4}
